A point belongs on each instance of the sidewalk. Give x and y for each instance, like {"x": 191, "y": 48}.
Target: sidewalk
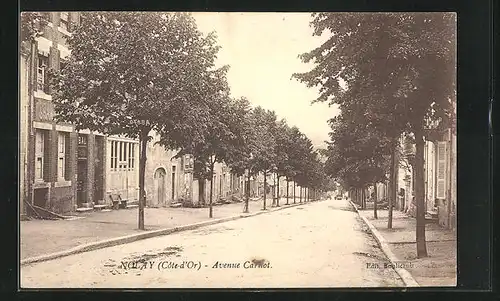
{"x": 39, "y": 237}
{"x": 439, "y": 268}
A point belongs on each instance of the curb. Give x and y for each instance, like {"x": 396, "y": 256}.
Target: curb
{"x": 407, "y": 278}
{"x": 135, "y": 237}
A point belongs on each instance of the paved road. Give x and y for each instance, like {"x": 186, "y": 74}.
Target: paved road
{"x": 322, "y": 244}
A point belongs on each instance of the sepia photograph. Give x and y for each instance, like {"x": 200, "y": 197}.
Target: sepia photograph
{"x": 237, "y": 150}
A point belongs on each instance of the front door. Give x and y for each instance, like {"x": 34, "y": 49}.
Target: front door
{"x": 82, "y": 166}
{"x": 173, "y": 182}
{"x": 160, "y": 186}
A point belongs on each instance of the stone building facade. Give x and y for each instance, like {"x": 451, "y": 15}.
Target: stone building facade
{"x": 61, "y": 168}
{"x": 164, "y": 175}
{"x": 440, "y": 176}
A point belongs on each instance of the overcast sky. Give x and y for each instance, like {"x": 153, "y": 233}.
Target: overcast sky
{"x": 262, "y": 50}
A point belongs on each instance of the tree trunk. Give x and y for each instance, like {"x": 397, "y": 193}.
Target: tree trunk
{"x": 287, "y": 190}
{"x": 375, "y": 201}
{"x": 294, "y": 188}
{"x": 274, "y": 190}
{"x": 265, "y": 189}
{"x": 247, "y": 194}
{"x": 300, "y": 190}
{"x": 277, "y": 190}
{"x": 143, "y": 138}
{"x": 419, "y": 195}
{"x": 392, "y": 184}
{"x": 210, "y": 208}
{"x": 362, "y": 194}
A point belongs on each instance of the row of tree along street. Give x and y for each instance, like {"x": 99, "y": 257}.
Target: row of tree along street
{"x": 130, "y": 73}
{"x": 399, "y": 70}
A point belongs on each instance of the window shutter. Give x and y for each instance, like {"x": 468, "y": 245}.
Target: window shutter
{"x": 53, "y": 64}
{"x": 441, "y": 170}
{"x": 47, "y": 155}
{"x": 54, "y": 58}
{"x": 67, "y": 156}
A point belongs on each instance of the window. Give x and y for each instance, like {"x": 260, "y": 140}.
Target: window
{"x": 64, "y": 20}
{"x": 121, "y": 151}
{"x": 125, "y": 146}
{"x": 82, "y": 152}
{"x": 132, "y": 164}
{"x": 122, "y": 156}
{"x": 130, "y": 148}
{"x": 39, "y": 155}
{"x": 41, "y": 76}
{"x": 114, "y": 155}
{"x": 62, "y": 145}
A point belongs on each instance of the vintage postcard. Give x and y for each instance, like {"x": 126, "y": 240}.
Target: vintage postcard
{"x": 237, "y": 150}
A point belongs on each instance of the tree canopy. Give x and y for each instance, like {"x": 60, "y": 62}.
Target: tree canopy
{"x": 390, "y": 74}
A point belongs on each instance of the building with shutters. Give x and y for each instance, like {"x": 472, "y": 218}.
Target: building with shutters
{"x": 440, "y": 176}
{"x": 62, "y": 169}
{"x": 444, "y": 180}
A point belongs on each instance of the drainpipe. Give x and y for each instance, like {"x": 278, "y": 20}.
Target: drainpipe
{"x": 450, "y": 157}
{"x": 30, "y": 132}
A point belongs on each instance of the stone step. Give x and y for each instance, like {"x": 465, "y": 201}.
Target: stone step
{"x": 432, "y": 213}
{"x": 84, "y": 209}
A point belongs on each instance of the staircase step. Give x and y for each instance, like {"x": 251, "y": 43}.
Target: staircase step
{"x": 100, "y": 206}
{"x": 132, "y": 206}
{"x": 84, "y": 209}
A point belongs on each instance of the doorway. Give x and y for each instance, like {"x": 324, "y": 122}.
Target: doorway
{"x": 220, "y": 186}
{"x": 82, "y": 166}
{"x": 173, "y": 182}
{"x": 160, "y": 186}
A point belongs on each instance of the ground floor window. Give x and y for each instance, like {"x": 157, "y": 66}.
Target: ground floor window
{"x": 62, "y": 156}
{"x": 123, "y": 156}
{"x": 40, "y": 155}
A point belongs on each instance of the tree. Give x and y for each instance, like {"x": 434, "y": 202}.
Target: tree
{"x": 408, "y": 59}
{"x": 32, "y": 25}
{"x": 287, "y": 152}
{"x": 360, "y": 150}
{"x": 301, "y": 163}
{"x": 224, "y": 139}
{"x": 282, "y": 136}
{"x": 241, "y": 158}
{"x": 131, "y": 72}
{"x": 264, "y": 145}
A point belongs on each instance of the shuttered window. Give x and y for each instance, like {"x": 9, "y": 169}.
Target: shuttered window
{"x": 39, "y": 155}
{"x": 441, "y": 170}
{"x": 41, "y": 76}
{"x": 64, "y": 20}
{"x": 62, "y": 162}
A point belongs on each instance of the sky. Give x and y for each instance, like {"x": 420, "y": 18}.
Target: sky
{"x": 262, "y": 50}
